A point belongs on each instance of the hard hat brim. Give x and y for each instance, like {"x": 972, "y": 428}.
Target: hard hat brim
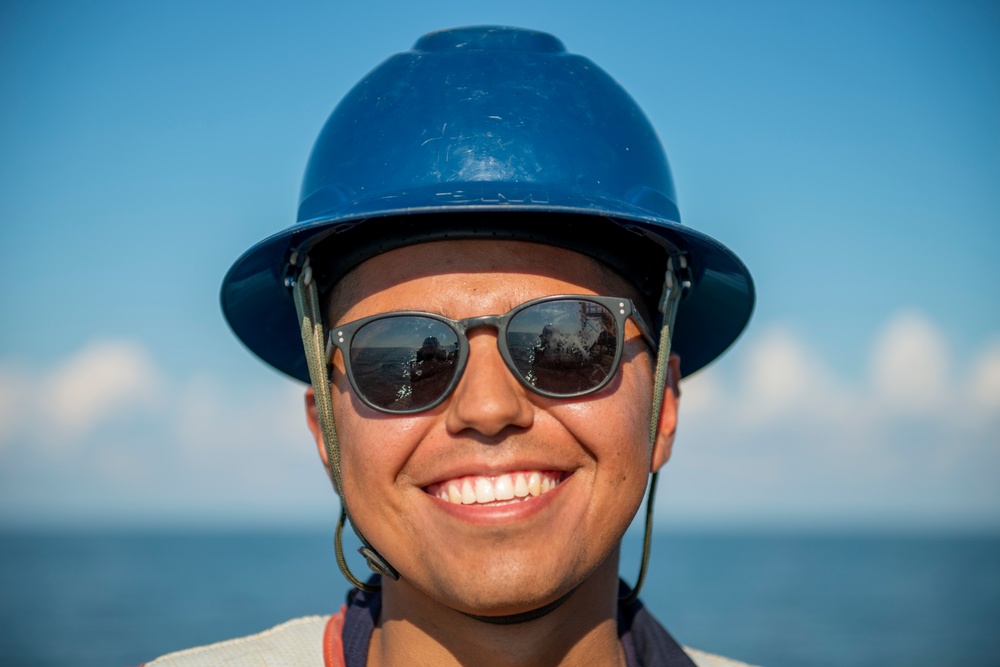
{"x": 259, "y": 308}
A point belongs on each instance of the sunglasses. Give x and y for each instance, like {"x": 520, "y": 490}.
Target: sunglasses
{"x": 562, "y": 346}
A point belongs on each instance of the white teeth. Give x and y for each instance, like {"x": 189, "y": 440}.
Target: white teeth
{"x": 478, "y": 489}
{"x": 504, "y": 487}
{"x": 535, "y": 484}
{"x": 520, "y": 485}
{"x": 468, "y": 493}
{"x": 484, "y": 490}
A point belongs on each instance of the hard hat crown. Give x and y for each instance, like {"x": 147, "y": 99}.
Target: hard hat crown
{"x": 486, "y": 132}
{"x": 486, "y": 116}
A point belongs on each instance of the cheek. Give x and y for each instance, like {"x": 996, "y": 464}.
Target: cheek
{"x": 630, "y": 395}
{"x": 614, "y": 424}
{"x": 374, "y": 447}
{"x": 374, "y": 454}
{"x": 626, "y": 472}
{"x": 628, "y": 417}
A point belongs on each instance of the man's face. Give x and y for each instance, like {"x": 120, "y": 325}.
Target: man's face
{"x": 506, "y": 556}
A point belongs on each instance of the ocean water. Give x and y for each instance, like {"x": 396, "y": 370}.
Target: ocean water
{"x": 118, "y": 599}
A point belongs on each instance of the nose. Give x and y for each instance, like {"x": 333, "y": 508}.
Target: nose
{"x": 488, "y": 397}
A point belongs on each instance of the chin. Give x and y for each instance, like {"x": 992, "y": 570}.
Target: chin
{"x": 509, "y": 585}
{"x": 503, "y": 600}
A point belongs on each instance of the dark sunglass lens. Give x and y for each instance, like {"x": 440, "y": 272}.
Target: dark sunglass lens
{"x": 563, "y": 347}
{"x": 403, "y": 363}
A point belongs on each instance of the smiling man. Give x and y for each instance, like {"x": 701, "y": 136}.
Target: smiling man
{"x": 492, "y": 298}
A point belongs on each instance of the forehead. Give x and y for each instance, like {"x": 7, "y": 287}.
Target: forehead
{"x": 463, "y": 278}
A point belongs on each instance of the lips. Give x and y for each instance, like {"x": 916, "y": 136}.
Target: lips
{"x": 507, "y": 487}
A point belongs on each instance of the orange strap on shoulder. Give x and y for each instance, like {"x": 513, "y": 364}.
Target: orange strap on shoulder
{"x": 333, "y": 643}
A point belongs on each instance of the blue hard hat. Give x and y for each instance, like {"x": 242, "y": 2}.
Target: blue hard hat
{"x": 488, "y": 132}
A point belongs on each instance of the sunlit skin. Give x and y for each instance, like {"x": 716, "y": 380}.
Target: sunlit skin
{"x": 510, "y": 558}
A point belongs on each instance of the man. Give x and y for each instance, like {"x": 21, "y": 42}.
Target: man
{"x": 483, "y": 288}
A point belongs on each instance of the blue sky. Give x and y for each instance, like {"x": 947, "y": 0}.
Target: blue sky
{"x": 848, "y": 152}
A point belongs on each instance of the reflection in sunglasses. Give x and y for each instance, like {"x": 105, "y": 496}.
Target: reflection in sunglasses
{"x": 560, "y": 346}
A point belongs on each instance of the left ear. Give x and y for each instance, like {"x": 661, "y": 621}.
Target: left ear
{"x": 667, "y": 428}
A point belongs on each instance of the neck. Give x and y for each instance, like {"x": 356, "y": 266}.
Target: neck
{"x": 416, "y": 630}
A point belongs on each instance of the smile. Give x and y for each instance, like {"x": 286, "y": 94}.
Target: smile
{"x": 483, "y": 490}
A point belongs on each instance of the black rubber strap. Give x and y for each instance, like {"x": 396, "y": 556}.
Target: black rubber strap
{"x": 523, "y": 617}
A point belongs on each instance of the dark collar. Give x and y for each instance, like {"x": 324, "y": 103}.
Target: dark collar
{"x": 645, "y": 642}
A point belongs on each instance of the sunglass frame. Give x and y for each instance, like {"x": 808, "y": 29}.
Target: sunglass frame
{"x": 341, "y": 338}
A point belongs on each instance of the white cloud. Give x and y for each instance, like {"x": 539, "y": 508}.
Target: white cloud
{"x": 101, "y": 383}
{"x": 106, "y": 385}
{"x": 910, "y": 364}
{"x": 778, "y": 375}
{"x": 785, "y": 380}
{"x": 779, "y": 431}
{"x": 219, "y": 426}
{"x": 108, "y": 433}
{"x": 701, "y": 394}
{"x": 985, "y": 386}
{"x": 781, "y": 381}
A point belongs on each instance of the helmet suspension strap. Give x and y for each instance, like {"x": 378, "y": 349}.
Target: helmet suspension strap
{"x": 314, "y": 344}
{"x": 306, "y": 296}
{"x": 673, "y": 289}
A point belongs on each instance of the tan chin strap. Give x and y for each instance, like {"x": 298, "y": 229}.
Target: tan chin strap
{"x": 314, "y": 344}
{"x": 672, "y": 291}
{"x": 307, "y": 306}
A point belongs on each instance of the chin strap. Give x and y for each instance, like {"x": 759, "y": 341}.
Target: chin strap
{"x": 525, "y": 616}
{"x": 675, "y": 283}
{"x": 306, "y": 295}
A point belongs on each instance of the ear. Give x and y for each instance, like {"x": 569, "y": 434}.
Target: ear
{"x": 312, "y": 420}
{"x": 667, "y": 428}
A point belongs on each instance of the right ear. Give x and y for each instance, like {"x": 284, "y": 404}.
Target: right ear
{"x": 312, "y": 420}
{"x": 667, "y": 428}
